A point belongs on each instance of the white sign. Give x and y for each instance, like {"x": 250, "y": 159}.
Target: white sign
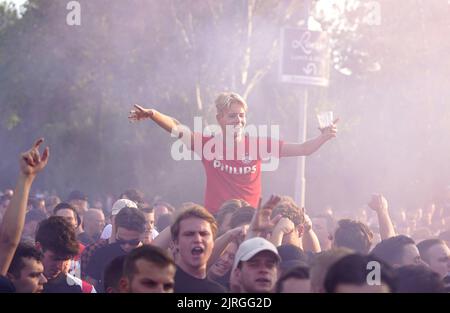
{"x": 305, "y": 57}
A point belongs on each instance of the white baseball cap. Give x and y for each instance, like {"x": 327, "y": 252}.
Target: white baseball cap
{"x": 251, "y": 247}
{"x": 120, "y": 204}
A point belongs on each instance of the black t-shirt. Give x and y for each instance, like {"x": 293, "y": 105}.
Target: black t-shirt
{"x": 185, "y": 283}
{"x": 100, "y": 260}
{"x": 224, "y": 281}
{"x": 61, "y": 284}
{"x": 6, "y": 285}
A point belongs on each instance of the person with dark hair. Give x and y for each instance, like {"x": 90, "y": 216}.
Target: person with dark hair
{"x": 291, "y": 256}
{"x": 56, "y": 239}
{"x": 354, "y": 235}
{"x": 225, "y": 212}
{"x": 192, "y": 235}
{"x": 134, "y": 195}
{"x": 238, "y": 177}
{"x": 113, "y": 274}
{"x": 148, "y": 269}
{"x": 397, "y": 251}
{"x": 436, "y": 254}
{"x": 352, "y": 272}
{"x": 160, "y": 208}
{"x": 11, "y": 226}
{"x": 67, "y": 211}
{"x": 32, "y": 219}
{"x": 130, "y": 227}
{"x": 26, "y": 271}
{"x": 105, "y": 237}
{"x": 295, "y": 280}
{"x": 418, "y": 279}
{"x": 79, "y": 201}
{"x": 150, "y": 231}
{"x": 117, "y": 206}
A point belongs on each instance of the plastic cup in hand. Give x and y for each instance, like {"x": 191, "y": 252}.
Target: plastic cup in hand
{"x": 325, "y": 119}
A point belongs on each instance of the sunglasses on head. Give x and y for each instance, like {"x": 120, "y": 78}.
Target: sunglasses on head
{"x": 132, "y": 242}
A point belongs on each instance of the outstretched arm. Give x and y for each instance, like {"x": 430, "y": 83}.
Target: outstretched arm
{"x": 13, "y": 221}
{"x": 166, "y": 122}
{"x": 310, "y": 146}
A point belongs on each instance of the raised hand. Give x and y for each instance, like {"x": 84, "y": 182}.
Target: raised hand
{"x": 31, "y": 162}
{"x": 140, "y": 113}
{"x": 285, "y": 225}
{"x": 239, "y": 233}
{"x": 378, "y": 203}
{"x": 262, "y": 219}
{"x": 308, "y": 223}
{"x": 330, "y": 131}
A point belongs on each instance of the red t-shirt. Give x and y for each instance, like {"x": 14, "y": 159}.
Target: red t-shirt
{"x": 235, "y": 176}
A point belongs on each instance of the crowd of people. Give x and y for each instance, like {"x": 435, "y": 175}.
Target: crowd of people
{"x": 231, "y": 244}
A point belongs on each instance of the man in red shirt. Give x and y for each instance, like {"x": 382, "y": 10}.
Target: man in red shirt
{"x": 232, "y": 159}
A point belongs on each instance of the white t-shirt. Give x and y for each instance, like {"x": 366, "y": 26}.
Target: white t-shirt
{"x": 106, "y": 234}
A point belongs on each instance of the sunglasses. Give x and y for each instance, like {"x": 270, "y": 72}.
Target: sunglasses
{"x": 132, "y": 242}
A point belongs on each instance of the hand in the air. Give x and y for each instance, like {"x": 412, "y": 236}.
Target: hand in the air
{"x": 330, "y": 131}
{"x": 31, "y": 162}
{"x": 262, "y": 219}
{"x": 140, "y": 113}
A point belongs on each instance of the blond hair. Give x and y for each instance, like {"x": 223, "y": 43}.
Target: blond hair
{"x": 196, "y": 211}
{"x": 225, "y": 99}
